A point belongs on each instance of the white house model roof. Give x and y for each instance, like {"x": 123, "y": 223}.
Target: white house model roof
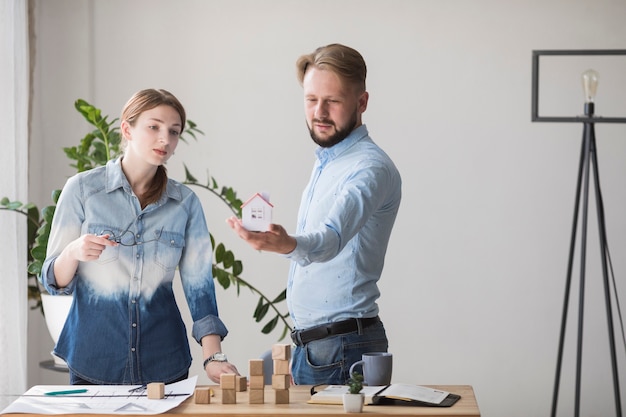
{"x": 265, "y": 199}
{"x": 256, "y": 213}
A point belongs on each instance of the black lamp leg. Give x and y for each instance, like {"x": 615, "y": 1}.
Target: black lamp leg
{"x": 605, "y": 271}
{"x": 587, "y": 157}
{"x": 568, "y": 282}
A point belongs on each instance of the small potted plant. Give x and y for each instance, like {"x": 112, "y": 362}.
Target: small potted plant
{"x": 354, "y": 398}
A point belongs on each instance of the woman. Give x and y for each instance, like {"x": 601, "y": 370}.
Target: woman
{"x": 118, "y": 234}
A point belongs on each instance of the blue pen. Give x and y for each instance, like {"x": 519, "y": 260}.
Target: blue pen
{"x": 67, "y": 392}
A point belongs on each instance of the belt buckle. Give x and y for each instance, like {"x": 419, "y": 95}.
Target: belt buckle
{"x": 295, "y": 337}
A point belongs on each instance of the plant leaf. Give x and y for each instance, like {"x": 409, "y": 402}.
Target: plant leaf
{"x": 282, "y": 296}
{"x": 220, "y": 250}
{"x": 270, "y": 326}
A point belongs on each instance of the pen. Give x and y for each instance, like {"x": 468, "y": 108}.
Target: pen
{"x": 71, "y": 391}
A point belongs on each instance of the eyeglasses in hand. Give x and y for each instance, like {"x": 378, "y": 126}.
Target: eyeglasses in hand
{"x": 128, "y": 237}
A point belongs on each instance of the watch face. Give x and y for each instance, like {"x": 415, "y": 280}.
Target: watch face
{"x": 219, "y": 357}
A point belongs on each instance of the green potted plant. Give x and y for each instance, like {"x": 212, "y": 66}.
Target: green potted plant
{"x": 35, "y": 255}
{"x": 353, "y": 400}
{"x": 95, "y": 149}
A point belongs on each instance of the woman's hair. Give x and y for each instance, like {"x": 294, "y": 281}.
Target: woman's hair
{"x": 145, "y": 100}
{"x": 342, "y": 60}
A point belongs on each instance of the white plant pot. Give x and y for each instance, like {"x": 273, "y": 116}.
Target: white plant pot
{"x": 353, "y": 403}
{"x": 56, "y": 308}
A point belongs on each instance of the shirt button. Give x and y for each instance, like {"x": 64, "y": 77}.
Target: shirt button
{"x": 134, "y": 324}
{"x": 137, "y": 256}
{"x": 132, "y": 349}
{"x": 133, "y": 301}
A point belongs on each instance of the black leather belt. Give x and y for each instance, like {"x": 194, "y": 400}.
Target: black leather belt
{"x": 302, "y": 337}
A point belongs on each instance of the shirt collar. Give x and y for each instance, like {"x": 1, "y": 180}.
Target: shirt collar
{"x": 115, "y": 179}
{"x": 325, "y": 155}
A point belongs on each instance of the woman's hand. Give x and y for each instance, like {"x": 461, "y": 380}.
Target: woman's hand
{"x": 88, "y": 247}
{"x": 84, "y": 249}
{"x": 214, "y": 369}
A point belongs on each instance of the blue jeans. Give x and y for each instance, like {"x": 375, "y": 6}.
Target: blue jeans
{"x": 328, "y": 361}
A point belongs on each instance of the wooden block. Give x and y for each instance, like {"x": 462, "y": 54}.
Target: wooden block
{"x": 229, "y": 396}
{"x": 156, "y": 390}
{"x": 281, "y": 367}
{"x": 256, "y": 367}
{"x": 202, "y": 395}
{"x": 241, "y": 383}
{"x": 228, "y": 381}
{"x": 281, "y": 396}
{"x": 281, "y": 352}
{"x": 257, "y": 382}
{"x": 256, "y": 396}
{"x": 281, "y": 381}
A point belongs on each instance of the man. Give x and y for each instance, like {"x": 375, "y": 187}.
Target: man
{"x": 344, "y": 223}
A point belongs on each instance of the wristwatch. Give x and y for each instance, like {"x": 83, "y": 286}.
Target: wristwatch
{"x": 216, "y": 357}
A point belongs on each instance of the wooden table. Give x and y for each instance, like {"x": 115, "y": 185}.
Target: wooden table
{"x": 300, "y": 394}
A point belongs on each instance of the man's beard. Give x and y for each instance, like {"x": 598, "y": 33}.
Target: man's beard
{"x": 340, "y": 133}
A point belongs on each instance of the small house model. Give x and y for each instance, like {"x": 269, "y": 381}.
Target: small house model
{"x": 256, "y": 213}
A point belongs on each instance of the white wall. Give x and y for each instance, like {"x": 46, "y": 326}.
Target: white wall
{"x": 474, "y": 280}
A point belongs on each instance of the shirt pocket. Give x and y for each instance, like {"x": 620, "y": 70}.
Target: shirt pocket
{"x": 168, "y": 249}
{"x": 110, "y": 253}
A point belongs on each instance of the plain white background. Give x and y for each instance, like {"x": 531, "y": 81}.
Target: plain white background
{"x": 473, "y": 286}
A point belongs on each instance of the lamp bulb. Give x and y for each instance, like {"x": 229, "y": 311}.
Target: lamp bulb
{"x": 590, "y": 85}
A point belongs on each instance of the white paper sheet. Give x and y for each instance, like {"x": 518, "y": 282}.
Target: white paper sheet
{"x": 415, "y": 392}
{"x": 100, "y": 399}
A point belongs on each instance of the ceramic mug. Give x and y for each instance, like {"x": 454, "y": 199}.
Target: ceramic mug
{"x": 377, "y": 367}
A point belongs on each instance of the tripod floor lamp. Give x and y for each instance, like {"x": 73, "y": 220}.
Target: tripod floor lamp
{"x": 588, "y": 170}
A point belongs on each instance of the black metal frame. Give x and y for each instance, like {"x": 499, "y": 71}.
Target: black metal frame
{"x": 535, "y": 86}
{"x": 588, "y": 160}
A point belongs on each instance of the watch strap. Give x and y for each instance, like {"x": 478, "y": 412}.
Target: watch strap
{"x": 213, "y": 358}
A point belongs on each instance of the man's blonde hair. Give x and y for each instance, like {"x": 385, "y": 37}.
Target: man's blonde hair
{"x": 342, "y": 60}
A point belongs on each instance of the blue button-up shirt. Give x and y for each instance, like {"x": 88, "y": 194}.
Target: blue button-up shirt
{"x": 345, "y": 219}
{"x": 124, "y": 326}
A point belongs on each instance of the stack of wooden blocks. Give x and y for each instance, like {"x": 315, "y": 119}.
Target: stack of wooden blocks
{"x": 257, "y": 382}
{"x": 231, "y": 384}
{"x": 228, "y": 384}
{"x": 281, "y": 379}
